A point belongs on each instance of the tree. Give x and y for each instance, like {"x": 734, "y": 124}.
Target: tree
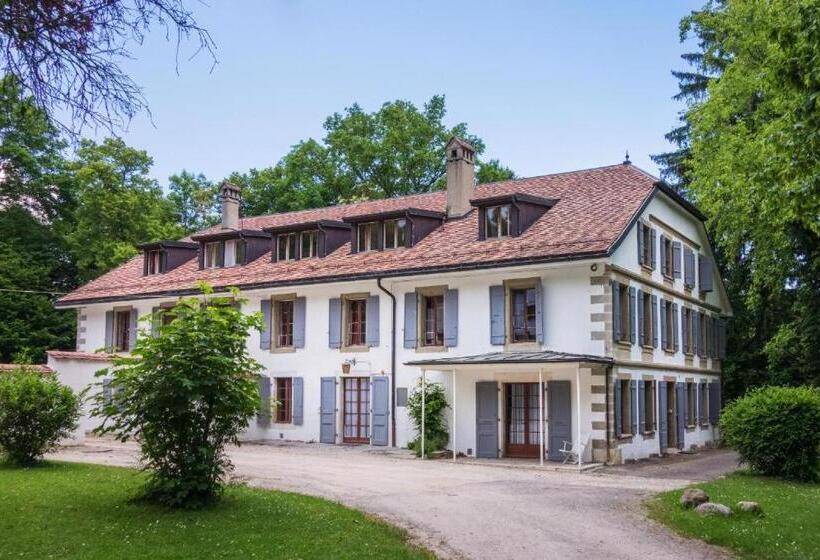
{"x": 195, "y": 201}
{"x": 492, "y": 171}
{"x": 185, "y": 394}
{"x": 119, "y": 206}
{"x": 67, "y": 53}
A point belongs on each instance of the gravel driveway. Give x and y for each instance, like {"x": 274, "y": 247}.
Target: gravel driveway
{"x": 472, "y": 510}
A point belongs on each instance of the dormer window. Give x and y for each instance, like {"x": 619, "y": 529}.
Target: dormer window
{"x": 286, "y": 247}
{"x": 368, "y": 237}
{"x": 212, "y": 254}
{"x": 154, "y": 261}
{"x": 395, "y": 233}
{"x": 310, "y": 244}
{"x": 497, "y": 222}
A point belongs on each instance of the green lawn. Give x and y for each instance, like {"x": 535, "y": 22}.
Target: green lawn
{"x": 788, "y": 528}
{"x": 63, "y": 510}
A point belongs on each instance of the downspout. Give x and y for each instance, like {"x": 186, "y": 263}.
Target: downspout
{"x": 392, "y": 361}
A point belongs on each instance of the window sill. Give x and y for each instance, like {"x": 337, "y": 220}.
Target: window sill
{"x": 647, "y": 268}
{"x": 363, "y": 348}
{"x": 648, "y": 434}
{"x": 647, "y": 348}
{"x": 283, "y": 350}
{"x": 669, "y": 352}
{"x": 624, "y": 343}
{"x": 523, "y": 346}
{"x": 430, "y": 349}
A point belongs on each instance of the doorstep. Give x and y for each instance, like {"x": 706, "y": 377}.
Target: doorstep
{"x": 528, "y": 464}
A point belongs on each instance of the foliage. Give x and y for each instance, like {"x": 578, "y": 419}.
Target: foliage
{"x": 436, "y": 435}
{"x": 787, "y": 528}
{"x": 492, "y": 171}
{"x": 776, "y": 431}
{"x": 98, "y": 521}
{"x": 195, "y": 201}
{"x": 66, "y": 53}
{"x": 36, "y": 411}
{"x": 185, "y": 394}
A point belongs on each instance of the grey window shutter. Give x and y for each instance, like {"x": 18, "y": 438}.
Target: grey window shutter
{"x": 372, "y": 327}
{"x": 263, "y": 416}
{"x": 699, "y": 419}
{"x": 497, "y": 315}
{"x": 642, "y": 406}
{"x": 640, "y": 244}
{"x": 687, "y": 417}
{"x": 632, "y": 307}
{"x": 663, "y": 254}
{"x": 618, "y": 409}
{"x": 451, "y": 318}
{"x": 641, "y": 324}
{"x": 335, "y": 323}
{"x": 681, "y": 404}
{"x": 109, "y": 331}
{"x": 717, "y": 401}
{"x": 676, "y": 258}
{"x": 297, "y": 383}
{"x": 684, "y": 331}
{"x": 132, "y": 329}
{"x": 616, "y": 311}
{"x": 156, "y": 320}
{"x": 539, "y": 313}
{"x": 675, "y": 328}
{"x": 633, "y": 407}
{"x": 664, "y": 319}
{"x": 327, "y": 410}
{"x": 265, "y": 335}
{"x": 410, "y": 320}
{"x": 653, "y": 248}
{"x": 688, "y": 267}
{"x": 654, "y": 321}
{"x": 696, "y": 332}
{"x": 299, "y": 305}
{"x": 705, "y": 272}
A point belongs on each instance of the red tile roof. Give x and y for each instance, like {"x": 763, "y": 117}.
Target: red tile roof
{"x": 39, "y": 368}
{"x": 83, "y": 356}
{"x": 594, "y": 208}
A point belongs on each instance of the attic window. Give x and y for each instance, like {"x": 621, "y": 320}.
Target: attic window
{"x": 394, "y": 233}
{"x": 286, "y": 247}
{"x": 497, "y": 222}
{"x": 368, "y": 237}
{"x": 212, "y": 254}
{"x": 310, "y": 244}
{"x": 154, "y": 260}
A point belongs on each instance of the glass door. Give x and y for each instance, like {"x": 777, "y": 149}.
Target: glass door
{"x": 356, "y": 410}
{"x": 523, "y": 430}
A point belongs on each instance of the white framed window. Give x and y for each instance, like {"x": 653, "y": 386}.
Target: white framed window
{"x": 154, "y": 261}
{"x": 395, "y": 233}
{"x": 286, "y": 247}
{"x": 310, "y": 244}
{"x": 212, "y": 254}
{"x": 122, "y": 330}
{"x": 497, "y": 221}
{"x": 368, "y": 237}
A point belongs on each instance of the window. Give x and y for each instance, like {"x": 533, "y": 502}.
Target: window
{"x": 283, "y": 323}
{"x": 356, "y": 311}
{"x": 154, "y": 260}
{"x": 310, "y": 244}
{"x": 432, "y": 309}
{"x": 691, "y": 404}
{"x": 497, "y": 221}
{"x": 668, "y": 257}
{"x": 623, "y": 308}
{"x": 284, "y": 400}
{"x": 648, "y": 412}
{"x": 241, "y": 251}
{"x": 626, "y": 408}
{"x": 368, "y": 237}
{"x": 122, "y": 330}
{"x": 212, "y": 251}
{"x": 647, "y": 235}
{"x": 286, "y": 247}
{"x": 668, "y": 325}
{"x": 687, "y": 327}
{"x": 523, "y": 314}
{"x": 395, "y": 233}
{"x": 646, "y": 319}
{"x": 703, "y": 343}
{"x": 704, "y": 403}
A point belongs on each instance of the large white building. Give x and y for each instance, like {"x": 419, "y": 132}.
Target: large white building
{"x": 573, "y": 307}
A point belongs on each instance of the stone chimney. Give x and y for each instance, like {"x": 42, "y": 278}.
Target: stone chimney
{"x": 460, "y": 176}
{"x": 229, "y": 195}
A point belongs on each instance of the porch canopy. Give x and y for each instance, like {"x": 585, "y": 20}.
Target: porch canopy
{"x": 515, "y": 361}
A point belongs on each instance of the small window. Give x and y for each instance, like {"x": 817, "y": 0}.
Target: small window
{"x": 648, "y": 335}
{"x": 395, "y": 233}
{"x": 283, "y": 314}
{"x": 356, "y": 311}
{"x": 241, "y": 251}
{"x": 122, "y": 330}
{"x": 646, "y": 257}
{"x": 626, "y": 408}
{"x": 286, "y": 247}
{"x": 623, "y": 303}
{"x": 668, "y": 256}
{"x": 648, "y": 412}
{"x": 154, "y": 261}
{"x": 432, "y": 308}
{"x": 691, "y": 404}
{"x": 212, "y": 254}
{"x": 497, "y": 221}
{"x": 284, "y": 400}
{"x": 368, "y": 237}
{"x": 310, "y": 244}
{"x": 523, "y": 314}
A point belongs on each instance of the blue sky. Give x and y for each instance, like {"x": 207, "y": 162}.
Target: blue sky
{"x": 549, "y": 86}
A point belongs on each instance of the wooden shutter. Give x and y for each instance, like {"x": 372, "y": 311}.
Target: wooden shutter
{"x": 497, "y": 315}
{"x": 664, "y": 319}
{"x": 335, "y": 323}
{"x": 109, "y": 331}
{"x": 664, "y": 264}
{"x": 687, "y": 417}
{"x": 451, "y": 318}
{"x": 263, "y": 416}
{"x": 696, "y": 333}
{"x": 146, "y": 256}
{"x": 641, "y": 324}
{"x": 372, "y": 327}
{"x": 297, "y": 404}
{"x": 688, "y": 267}
{"x": 618, "y": 409}
{"x": 633, "y": 407}
{"x": 299, "y": 309}
{"x": 642, "y": 406}
{"x": 699, "y": 419}
{"x": 539, "y": 313}
{"x": 132, "y": 329}
{"x": 410, "y": 320}
{"x": 686, "y": 319}
{"x": 640, "y": 244}
{"x": 680, "y": 401}
{"x": 654, "y": 321}
{"x": 653, "y": 248}
{"x": 632, "y": 307}
{"x": 676, "y": 258}
{"x": 616, "y": 311}
{"x": 705, "y": 272}
{"x": 675, "y": 328}
{"x": 265, "y": 334}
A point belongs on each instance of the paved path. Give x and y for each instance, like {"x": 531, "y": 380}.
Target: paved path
{"x": 476, "y": 511}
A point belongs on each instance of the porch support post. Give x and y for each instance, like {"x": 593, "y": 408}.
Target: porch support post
{"x": 578, "y": 414}
{"x": 541, "y": 415}
{"x": 455, "y": 452}
{"x": 423, "y": 406}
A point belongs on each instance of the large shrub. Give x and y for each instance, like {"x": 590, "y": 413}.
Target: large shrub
{"x": 184, "y": 394}
{"x": 435, "y": 428}
{"x": 36, "y": 411}
{"x": 776, "y": 431}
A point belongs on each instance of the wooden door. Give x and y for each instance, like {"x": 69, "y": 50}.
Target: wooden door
{"x": 356, "y": 410}
{"x": 559, "y": 410}
{"x": 523, "y": 428}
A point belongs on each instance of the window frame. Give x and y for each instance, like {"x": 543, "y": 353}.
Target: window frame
{"x": 366, "y": 243}
{"x": 424, "y": 297}
{"x": 277, "y": 312}
{"x": 668, "y": 259}
{"x": 531, "y": 336}
{"x": 691, "y": 401}
{"x": 121, "y": 328}
{"x": 154, "y": 262}
{"x": 500, "y": 208}
{"x": 648, "y": 323}
{"x": 354, "y": 304}
{"x": 626, "y": 323}
{"x": 283, "y": 390}
{"x": 647, "y": 245}
{"x": 210, "y": 259}
{"x": 649, "y": 413}
{"x": 399, "y": 236}
{"x": 626, "y": 408}
{"x": 668, "y": 325}
{"x": 313, "y": 245}
{"x": 291, "y": 247}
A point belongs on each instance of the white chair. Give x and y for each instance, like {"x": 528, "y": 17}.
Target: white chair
{"x": 572, "y": 452}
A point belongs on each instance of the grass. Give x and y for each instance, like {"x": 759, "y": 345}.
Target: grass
{"x": 788, "y": 528}
{"x": 64, "y": 510}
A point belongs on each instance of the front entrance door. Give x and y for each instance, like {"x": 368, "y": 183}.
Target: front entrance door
{"x": 559, "y": 408}
{"x": 356, "y": 410}
{"x": 523, "y": 429}
{"x": 486, "y": 415}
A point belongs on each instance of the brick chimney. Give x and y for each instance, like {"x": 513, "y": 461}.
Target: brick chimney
{"x": 460, "y": 176}
{"x": 229, "y": 195}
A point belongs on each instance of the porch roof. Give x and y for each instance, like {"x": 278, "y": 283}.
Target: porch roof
{"x": 543, "y": 357}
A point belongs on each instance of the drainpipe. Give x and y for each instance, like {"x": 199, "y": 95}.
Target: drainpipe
{"x": 392, "y": 361}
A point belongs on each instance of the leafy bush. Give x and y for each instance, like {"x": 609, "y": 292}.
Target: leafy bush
{"x": 36, "y": 411}
{"x": 184, "y": 394}
{"x": 436, "y": 435}
{"x": 776, "y": 431}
